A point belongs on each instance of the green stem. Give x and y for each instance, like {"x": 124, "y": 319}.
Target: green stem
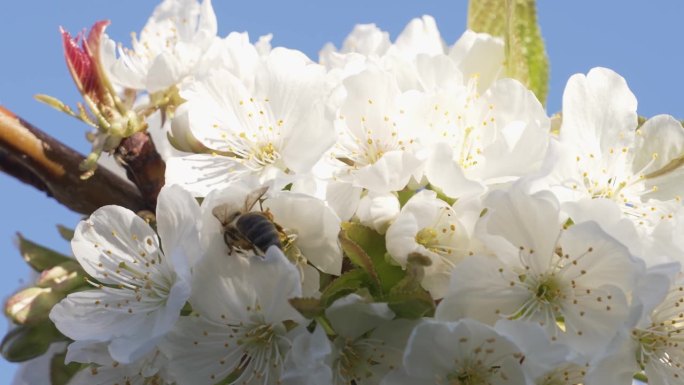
{"x": 325, "y": 325}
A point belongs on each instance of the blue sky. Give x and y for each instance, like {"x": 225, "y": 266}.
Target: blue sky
{"x": 640, "y": 40}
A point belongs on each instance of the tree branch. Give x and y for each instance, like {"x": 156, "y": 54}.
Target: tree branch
{"x": 40, "y": 160}
{"x": 144, "y": 166}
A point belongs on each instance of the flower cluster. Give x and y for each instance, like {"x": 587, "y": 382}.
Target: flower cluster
{"x": 398, "y": 212}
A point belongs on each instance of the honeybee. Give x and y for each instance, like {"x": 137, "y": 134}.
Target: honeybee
{"x": 244, "y": 229}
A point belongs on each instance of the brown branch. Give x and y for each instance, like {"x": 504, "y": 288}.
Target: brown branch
{"x": 12, "y": 166}
{"x": 144, "y": 166}
{"x": 40, "y": 160}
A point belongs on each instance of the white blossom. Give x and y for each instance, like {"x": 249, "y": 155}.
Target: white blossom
{"x": 241, "y": 320}
{"x": 429, "y": 226}
{"x": 103, "y": 370}
{"x": 170, "y": 47}
{"x": 459, "y": 352}
{"x": 368, "y": 342}
{"x": 272, "y": 129}
{"x": 573, "y": 282}
{"x": 139, "y": 289}
{"x": 601, "y": 153}
{"x": 653, "y": 340}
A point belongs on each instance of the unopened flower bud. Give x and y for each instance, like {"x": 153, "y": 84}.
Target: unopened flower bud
{"x": 62, "y": 278}
{"x": 31, "y": 305}
{"x": 29, "y": 341}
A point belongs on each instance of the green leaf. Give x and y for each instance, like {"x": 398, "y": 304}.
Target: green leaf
{"x": 373, "y": 243}
{"x": 347, "y": 283}
{"x": 516, "y": 22}
{"x": 65, "y": 232}
{"x": 360, "y": 258}
{"x": 38, "y": 257}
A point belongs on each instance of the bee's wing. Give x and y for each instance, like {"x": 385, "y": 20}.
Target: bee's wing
{"x": 225, "y": 213}
{"x": 253, "y": 197}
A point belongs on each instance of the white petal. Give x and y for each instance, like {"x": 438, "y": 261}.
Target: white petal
{"x": 523, "y": 127}
{"x": 112, "y": 235}
{"x": 438, "y": 72}
{"x": 659, "y": 148}
{"x": 522, "y": 220}
{"x": 378, "y": 210}
{"x": 478, "y": 290}
{"x": 444, "y": 173}
{"x": 177, "y": 213}
{"x": 541, "y": 354}
{"x": 437, "y": 349}
{"x": 367, "y": 39}
{"x": 600, "y": 258}
{"x": 297, "y": 88}
{"x": 315, "y": 225}
{"x": 202, "y": 173}
{"x": 598, "y": 108}
{"x": 306, "y": 363}
{"x": 164, "y": 72}
{"x": 610, "y": 217}
{"x": 390, "y": 173}
{"x": 343, "y": 198}
{"x": 352, "y": 316}
{"x": 228, "y": 285}
{"x": 481, "y": 55}
{"x": 420, "y": 36}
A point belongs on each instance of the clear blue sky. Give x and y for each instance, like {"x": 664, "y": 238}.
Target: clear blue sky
{"x": 640, "y": 40}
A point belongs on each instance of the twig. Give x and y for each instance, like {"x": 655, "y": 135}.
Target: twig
{"x": 40, "y": 160}
{"x": 144, "y": 166}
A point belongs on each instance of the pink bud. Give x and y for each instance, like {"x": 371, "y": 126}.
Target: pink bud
{"x": 83, "y": 60}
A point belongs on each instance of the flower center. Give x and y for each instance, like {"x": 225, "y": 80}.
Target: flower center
{"x": 546, "y": 293}
{"x": 474, "y": 374}
{"x": 548, "y": 290}
{"x": 266, "y": 154}
{"x": 258, "y": 335}
{"x": 356, "y": 359}
{"x": 426, "y": 237}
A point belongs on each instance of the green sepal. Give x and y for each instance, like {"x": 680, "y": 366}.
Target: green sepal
{"x": 38, "y": 257}
{"x": 29, "y": 341}
{"x": 373, "y": 244}
{"x": 359, "y": 257}
{"x": 404, "y": 195}
{"x": 308, "y": 307}
{"x": 60, "y": 373}
{"x": 442, "y": 196}
{"x": 232, "y": 377}
{"x": 408, "y": 299}
{"x": 66, "y": 233}
{"x": 186, "y": 310}
{"x": 347, "y": 283}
